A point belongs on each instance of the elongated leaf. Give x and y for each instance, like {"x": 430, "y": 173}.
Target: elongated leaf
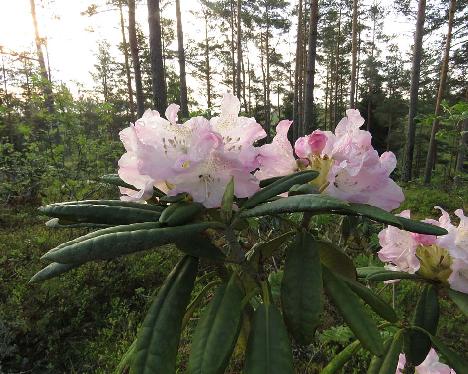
{"x": 391, "y": 275}
{"x": 116, "y": 244}
{"x": 268, "y": 181}
{"x": 268, "y": 347}
{"x": 115, "y": 180}
{"x": 426, "y": 316}
{"x": 100, "y": 213}
{"x": 299, "y": 203}
{"x": 341, "y": 358}
{"x": 226, "y": 204}
{"x": 158, "y": 338}
{"x": 390, "y": 362}
{"x": 56, "y": 223}
{"x": 127, "y": 204}
{"x": 52, "y": 270}
{"x": 364, "y": 272}
{"x": 376, "y": 361}
{"x": 199, "y": 246}
{"x": 280, "y": 186}
{"x": 180, "y": 213}
{"x": 266, "y": 249}
{"x": 460, "y": 299}
{"x": 377, "y": 304}
{"x": 217, "y": 331}
{"x": 301, "y": 288}
{"x": 126, "y": 360}
{"x": 336, "y": 260}
{"x": 197, "y": 302}
{"x": 353, "y": 312}
{"x": 421, "y": 227}
{"x": 302, "y": 189}
{"x": 373, "y": 213}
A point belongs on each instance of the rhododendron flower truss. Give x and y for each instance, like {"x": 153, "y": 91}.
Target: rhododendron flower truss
{"x": 350, "y": 168}
{"x": 198, "y": 157}
{"x": 441, "y": 258}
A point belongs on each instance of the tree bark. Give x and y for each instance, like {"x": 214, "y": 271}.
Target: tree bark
{"x": 181, "y": 54}
{"x": 127, "y": 64}
{"x": 353, "y": 55}
{"x": 46, "y": 86}
{"x": 414, "y": 90}
{"x": 267, "y": 57}
{"x": 296, "y": 124}
{"x": 233, "y": 60}
{"x": 239, "y": 50}
{"x": 140, "y": 99}
{"x": 157, "y": 67}
{"x": 440, "y": 94}
{"x": 462, "y": 145}
{"x": 337, "y": 64}
{"x": 207, "y": 65}
{"x": 309, "y": 110}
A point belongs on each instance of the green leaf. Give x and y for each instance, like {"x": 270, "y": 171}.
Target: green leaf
{"x": 115, "y": 180}
{"x": 377, "y": 304}
{"x": 341, "y": 358}
{"x": 280, "y": 186}
{"x": 460, "y": 299}
{"x": 426, "y": 316}
{"x": 114, "y": 244}
{"x": 302, "y": 189}
{"x": 227, "y": 201}
{"x": 268, "y": 181}
{"x": 390, "y": 362}
{"x": 373, "y": 213}
{"x": 158, "y": 338}
{"x": 180, "y": 213}
{"x": 52, "y": 270}
{"x": 198, "y": 245}
{"x": 301, "y": 288}
{"x": 299, "y": 203}
{"x": 197, "y": 302}
{"x": 421, "y": 227}
{"x": 217, "y": 331}
{"x": 336, "y": 260}
{"x": 127, "y": 204}
{"x": 366, "y": 271}
{"x": 353, "y": 312}
{"x": 105, "y": 214}
{"x": 174, "y": 199}
{"x": 126, "y": 359}
{"x": 268, "y": 347}
{"x": 376, "y": 361}
{"x": 56, "y": 223}
{"x": 391, "y": 275}
{"x": 266, "y": 249}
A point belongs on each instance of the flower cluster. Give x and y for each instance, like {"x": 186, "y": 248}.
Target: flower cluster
{"x": 443, "y": 258}
{"x": 350, "y": 168}
{"x": 430, "y": 365}
{"x": 200, "y": 156}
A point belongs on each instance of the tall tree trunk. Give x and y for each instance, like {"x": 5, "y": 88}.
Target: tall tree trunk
{"x": 337, "y": 64}
{"x": 243, "y": 86}
{"x": 181, "y": 52}
{"x": 157, "y": 67}
{"x": 239, "y": 49}
{"x": 233, "y": 48}
{"x": 296, "y": 124}
{"x": 268, "y": 79}
{"x": 440, "y": 94}
{"x": 46, "y": 86}
{"x": 353, "y": 55}
{"x": 358, "y": 68}
{"x": 325, "y": 116}
{"x": 389, "y": 132}
{"x": 462, "y": 145}
{"x": 309, "y": 112}
{"x": 140, "y": 99}
{"x": 127, "y": 64}
{"x": 414, "y": 90}
{"x": 207, "y": 64}
{"x": 370, "y": 88}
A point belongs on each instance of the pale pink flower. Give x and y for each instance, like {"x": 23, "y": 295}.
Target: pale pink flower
{"x": 277, "y": 159}
{"x": 399, "y": 248}
{"x": 312, "y": 144}
{"x": 456, "y": 241}
{"x": 430, "y": 365}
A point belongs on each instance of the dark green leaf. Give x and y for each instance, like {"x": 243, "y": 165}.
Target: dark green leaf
{"x": 227, "y": 201}
{"x": 421, "y": 227}
{"x": 460, "y": 299}
{"x": 390, "y": 362}
{"x": 115, "y": 180}
{"x": 52, "y": 270}
{"x": 341, "y": 358}
{"x": 336, "y": 260}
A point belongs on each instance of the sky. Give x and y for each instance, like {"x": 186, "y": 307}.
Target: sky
{"x": 73, "y": 38}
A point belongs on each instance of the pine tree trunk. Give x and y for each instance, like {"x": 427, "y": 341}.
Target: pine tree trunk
{"x": 296, "y": 123}
{"x": 181, "y": 54}
{"x": 239, "y": 49}
{"x": 233, "y": 48}
{"x": 207, "y": 65}
{"x": 325, "y": 116}
{"x": 157, "y": 67}
{"x": 268, "y": 79}
{"x": 430, "y": 159}
{"x": 127, "y": 64}
{"x": 337, "y": 64}
{"x": 414, "y": 90}
{"x": 46, "y": 86}
{"x": 462, "y": 145}
{"x": 309, "y": 112}
{"x": 140, "y": 99}
{"x": 353, "y": 55}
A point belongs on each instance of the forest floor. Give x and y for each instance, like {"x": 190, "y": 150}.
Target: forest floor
{"x": 84, "y": 321}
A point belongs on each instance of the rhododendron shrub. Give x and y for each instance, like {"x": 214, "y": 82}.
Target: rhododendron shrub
{"x": 210, "y": 187}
